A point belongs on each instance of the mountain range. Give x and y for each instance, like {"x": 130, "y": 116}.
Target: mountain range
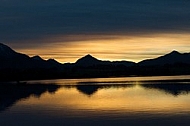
{"x": 17, "y": 66}
{"x": 171, "y": 58}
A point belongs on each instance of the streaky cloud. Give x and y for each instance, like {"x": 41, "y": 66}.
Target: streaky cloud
{"x": 31, "y": 20}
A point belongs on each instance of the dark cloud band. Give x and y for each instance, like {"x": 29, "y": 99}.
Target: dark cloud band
{"x": 22, "y": 20}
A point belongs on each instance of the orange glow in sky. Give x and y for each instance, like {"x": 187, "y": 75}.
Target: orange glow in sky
{"x": 109, "y": 47}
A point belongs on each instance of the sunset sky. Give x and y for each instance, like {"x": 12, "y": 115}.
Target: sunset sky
{"x": 107, "y": 29}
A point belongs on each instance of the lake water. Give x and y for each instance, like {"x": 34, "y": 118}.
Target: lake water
{"x": 163, "y": 100}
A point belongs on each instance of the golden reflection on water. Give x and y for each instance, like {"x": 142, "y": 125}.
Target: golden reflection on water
{"x": 114, "y": 100}
{"x": 108, "y": 47}
{"x": 114, "y": 80}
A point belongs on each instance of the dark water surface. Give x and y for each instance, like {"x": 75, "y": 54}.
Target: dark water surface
{"x": 101, "y": 101}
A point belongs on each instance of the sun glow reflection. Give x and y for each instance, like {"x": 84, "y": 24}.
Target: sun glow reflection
{"x": 129, "y": 100}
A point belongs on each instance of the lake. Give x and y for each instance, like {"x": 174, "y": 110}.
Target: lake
{"x": 159, "y": 100}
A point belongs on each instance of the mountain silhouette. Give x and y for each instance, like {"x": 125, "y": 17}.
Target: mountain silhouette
{"x": 17, "y": 66}
{"x": 38, "y": 58}
{"x": 89, "y": 60}
{"x": 12, "y": 59}
{"x": 172, "y": 58}
{"x": 7, "y": 53}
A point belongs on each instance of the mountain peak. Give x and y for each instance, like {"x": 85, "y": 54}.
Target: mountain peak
{"x": 170, "y": 58}
{"x": 174, "y": 52}
{"x": 89, "y": 56}
{"x": 52, "y": 60}
{"x": 6, "y": 51}
{"x": 87, "y": 60}
{"x": 37, "y": 58}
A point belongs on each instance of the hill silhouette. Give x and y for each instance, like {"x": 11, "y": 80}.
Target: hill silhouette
{"x": 12, "y": 59}
{"x": 172, "y": 58}
{"x": 89, "y": 60}
{"x": 17, "y": 66}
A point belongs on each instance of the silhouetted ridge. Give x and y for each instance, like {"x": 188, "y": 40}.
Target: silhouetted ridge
{"x": 54, "y": 63}
{"x": 87, "y": 60}
{"x": 170, "y": 58}
{"x": 6, "y": 51}
{"x": 174, "y": 52}
{"x": 37, "y": 58}
{"x": 17, "y": 66}
{"x": 45, "y": 63}
{"x": 10, "y": 59}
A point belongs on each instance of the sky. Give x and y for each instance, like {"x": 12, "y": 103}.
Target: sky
{"x": 66, "y": 30}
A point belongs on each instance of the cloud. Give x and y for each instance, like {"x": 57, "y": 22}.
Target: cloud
{"x": 24, "y": 20}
